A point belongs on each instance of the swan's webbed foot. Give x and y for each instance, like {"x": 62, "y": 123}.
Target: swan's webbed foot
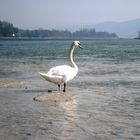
{"x": 64, "y": 90}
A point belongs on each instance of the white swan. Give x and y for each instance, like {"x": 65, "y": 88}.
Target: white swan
{"x": 64, "y": 73}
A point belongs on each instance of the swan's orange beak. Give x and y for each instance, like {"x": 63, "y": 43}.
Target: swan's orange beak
{"x": 80, "y": 46}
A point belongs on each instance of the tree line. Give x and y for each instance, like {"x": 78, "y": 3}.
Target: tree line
{"x": 8, "y": 30}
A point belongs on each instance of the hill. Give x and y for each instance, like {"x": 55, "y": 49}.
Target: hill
{"x": 126, "y": 29}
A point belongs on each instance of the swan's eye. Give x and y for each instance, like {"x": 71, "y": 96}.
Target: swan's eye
{"x": 79, "y": 43}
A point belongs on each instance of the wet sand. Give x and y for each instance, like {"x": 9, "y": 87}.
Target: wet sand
{"x": 11, "y": 84}
{"x": 55, "y": 97}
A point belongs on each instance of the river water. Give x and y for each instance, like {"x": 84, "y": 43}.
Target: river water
{"x": 106, "y": 102}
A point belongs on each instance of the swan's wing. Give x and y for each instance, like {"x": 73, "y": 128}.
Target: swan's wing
{"x": 60, "y": 70}
{"x": 52, "y": 78}
{"x": 60, "y": 74}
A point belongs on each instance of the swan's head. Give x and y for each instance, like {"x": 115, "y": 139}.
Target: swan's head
{"x": 77, "y": 44}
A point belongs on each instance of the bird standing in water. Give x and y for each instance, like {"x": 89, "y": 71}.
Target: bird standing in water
{"x": 63, "y": 73}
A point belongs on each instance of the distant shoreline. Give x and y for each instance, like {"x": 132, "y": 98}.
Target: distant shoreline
{"x": 55, "y": 38}
{"x": 137, "y": 38}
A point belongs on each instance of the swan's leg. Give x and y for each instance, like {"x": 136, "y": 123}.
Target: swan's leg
{"x": 59, "y": 87}
{"x": 64, "y": 90}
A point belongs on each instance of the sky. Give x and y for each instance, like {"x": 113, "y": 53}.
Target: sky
{"x": 53, "y": 14}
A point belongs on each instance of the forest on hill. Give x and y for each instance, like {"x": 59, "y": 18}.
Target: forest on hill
{"x": 7, "y": 29}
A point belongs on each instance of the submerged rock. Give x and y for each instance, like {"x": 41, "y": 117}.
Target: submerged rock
{"x": 55, "y": 97}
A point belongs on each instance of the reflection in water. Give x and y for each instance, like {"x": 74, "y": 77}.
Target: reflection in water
{"x": 70, "y": 116}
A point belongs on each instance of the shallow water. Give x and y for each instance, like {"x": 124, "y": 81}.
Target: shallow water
{"x": 106, "y": 104}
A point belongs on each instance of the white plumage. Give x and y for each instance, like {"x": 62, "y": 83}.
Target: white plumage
{"x": 64, "y": 73}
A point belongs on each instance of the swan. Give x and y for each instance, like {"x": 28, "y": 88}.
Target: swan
{"x": 63, "y": 73}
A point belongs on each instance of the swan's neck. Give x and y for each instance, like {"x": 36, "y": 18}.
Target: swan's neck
{"x": 70, "y": 57}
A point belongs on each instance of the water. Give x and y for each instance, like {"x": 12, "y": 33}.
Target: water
{"x": 107, "y": 90}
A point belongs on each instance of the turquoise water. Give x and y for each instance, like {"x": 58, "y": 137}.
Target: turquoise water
{"x": 107, "y": 88}
{"x": 116, "y": 50}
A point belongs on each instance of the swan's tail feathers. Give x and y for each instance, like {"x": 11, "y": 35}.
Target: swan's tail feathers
{"x": 52, "y": 78}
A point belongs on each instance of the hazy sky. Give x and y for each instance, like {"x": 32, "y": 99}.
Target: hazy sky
{"x": 34, "y": 14}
